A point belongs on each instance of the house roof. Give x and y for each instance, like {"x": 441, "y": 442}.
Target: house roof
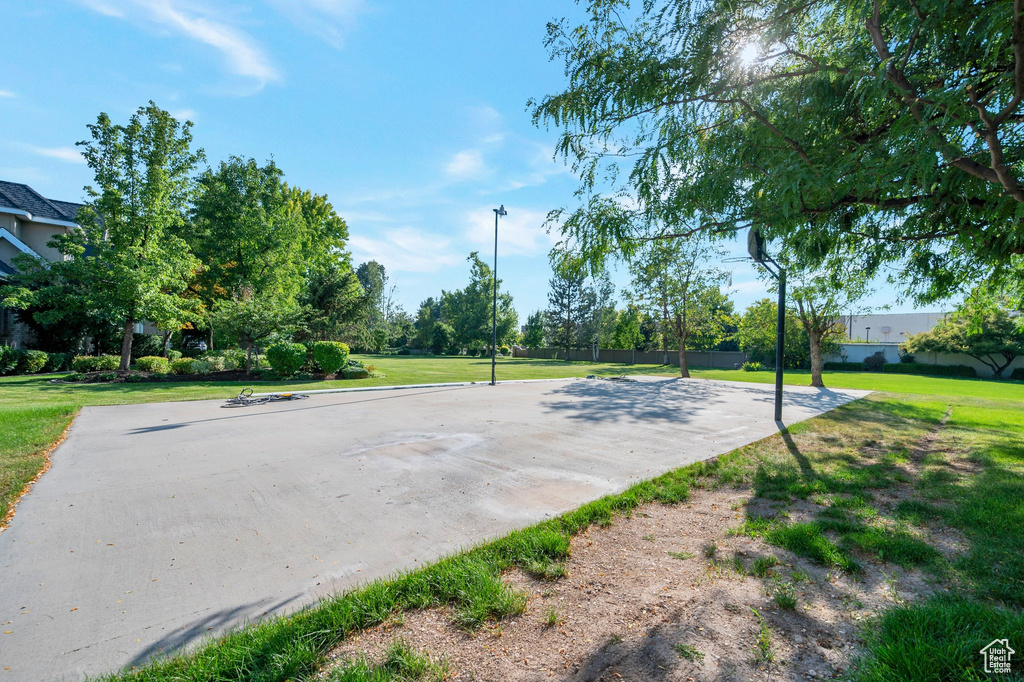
{"x": 23, "y": 198}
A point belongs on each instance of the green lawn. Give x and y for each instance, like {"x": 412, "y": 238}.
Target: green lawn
{"x": 950, "y": 448}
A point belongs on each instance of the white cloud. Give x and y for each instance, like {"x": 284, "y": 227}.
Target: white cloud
{"x": 69, "y": 154}
{"x": 404, "y": 249}
{"x": 184, "y": 114}
{"x": 468, "y": 163}
{"x": 540, "y": 164}
{"x": 244, "y": 56}
{"x": 7, "y": 94}
{"x": 330, "y": 20}
{"x": 520, "y": 233}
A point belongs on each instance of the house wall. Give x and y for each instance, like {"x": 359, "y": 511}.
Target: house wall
{"x": 12, "y": 333}
{"x": 36, "y": 236}
{"x": 7, "y": 251}
{"x": 10, "y": 223}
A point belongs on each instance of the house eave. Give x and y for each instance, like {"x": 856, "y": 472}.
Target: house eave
{"x": 35, "y": 219}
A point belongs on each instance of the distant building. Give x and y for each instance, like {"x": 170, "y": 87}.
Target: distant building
{"x": 888, "y": 327}
{"x": 28, "y": 220}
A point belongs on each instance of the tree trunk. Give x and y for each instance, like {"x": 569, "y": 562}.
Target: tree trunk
{"x": 126, "y": 345}
{"x": 248, "y": 358}
{"x": 167, "y": 344}
{"x": 814, "y": 336}
{"x": 684, "y": 368}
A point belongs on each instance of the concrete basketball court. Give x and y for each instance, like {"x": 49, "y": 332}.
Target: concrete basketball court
{"x": 161, "y": 523}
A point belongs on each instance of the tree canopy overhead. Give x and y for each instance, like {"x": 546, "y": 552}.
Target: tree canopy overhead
{"x": 886, "y": 132}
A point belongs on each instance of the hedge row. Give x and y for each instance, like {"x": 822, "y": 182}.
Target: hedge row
{"x": 905, "y": 368}
{"x": 17, "y": 361}
{"x": 930, "y": 370}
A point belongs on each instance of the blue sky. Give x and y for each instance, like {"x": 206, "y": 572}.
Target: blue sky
{"x": 410, "y": 115}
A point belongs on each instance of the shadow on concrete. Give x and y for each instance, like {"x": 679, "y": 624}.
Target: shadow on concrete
{"x": 672, "y": 400}
{"x": 213, "y": 624}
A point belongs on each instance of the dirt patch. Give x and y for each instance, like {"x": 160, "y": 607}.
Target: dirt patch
{"x": 667, "y": 594}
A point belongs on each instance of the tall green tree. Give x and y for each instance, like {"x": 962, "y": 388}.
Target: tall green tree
{"x": 627, "y": 333}
{"x": 675, "y": 279}
{"x": 429, "y": 315}
{"x": 819, "y": 300}
{"x": 756, "y": 335}
{"x": 533, "y": 332}
{"x": 468, "y": 310}
{"x": 570, "y": 303}
{"x": 889, "y": 132}
{"x": 127, "y": 261}
{"x": 331, "y": 299}
{"x": 247, "y": 231}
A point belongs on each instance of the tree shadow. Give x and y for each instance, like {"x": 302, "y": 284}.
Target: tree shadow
{"x": 208, "y": 626}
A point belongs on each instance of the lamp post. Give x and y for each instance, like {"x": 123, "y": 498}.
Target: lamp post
{"x": 868, "y": 330}
{"x": 494, "y": 293}
{"x": 755, "y": 246}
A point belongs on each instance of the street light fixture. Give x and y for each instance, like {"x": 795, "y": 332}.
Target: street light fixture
{"x": 494, "y": 296}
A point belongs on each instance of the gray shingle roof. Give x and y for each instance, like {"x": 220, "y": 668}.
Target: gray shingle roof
{"x": 24, "y": 198}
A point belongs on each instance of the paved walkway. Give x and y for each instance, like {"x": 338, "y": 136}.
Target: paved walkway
{"x": 159, "y": 524}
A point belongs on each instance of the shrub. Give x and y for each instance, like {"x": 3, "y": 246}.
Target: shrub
{"x": 930, "y": 370}
{"x": 108, "y": 362}
{"x": 147, "y": 344}
{"x": 844, "y": 367}
{"x": 201, "y": 367}
{"x": 31, "y": 361}
{"x": 753, "y": 367}
{"x": 107, "y": 376}
{"x": 153, "y": 363}
{"x": 84, "y": 363}
{"x": 286, "y": 358}
{"x": 136, "y": 378}
{"x": 8, "y": 360}
{"x": 355, "y": 373}
{"x": 215, "y": 362}
{"x": 874, "y": 362}
{"x": 354, "y": 363}
{"x": 1018, "y": 374}
{"x": 75, "y": 376}
{"x": 330, "y": 356}
{"x": 173, "y": 355}
{"x": 503, "y": 350}
{"x": 182, "y": 366}
{"x": 233, "y": 358}
{"x": 56, "y": 362}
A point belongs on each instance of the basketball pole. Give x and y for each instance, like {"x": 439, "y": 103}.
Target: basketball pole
{"x": 755, "y": 247}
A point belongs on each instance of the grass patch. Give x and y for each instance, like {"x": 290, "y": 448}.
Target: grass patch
{"x": 689, "y": 652}
{"x": 552, "y": 617}
{"x": 682, "y": 555}
{"x": 803, "y": 539}
{"x": 765, "y": 651}
{"x": 401, "y": 663}
{"x": 26, "y": 434}
{"x": 762, "y": 565}
{"x": 936, "y": 640}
